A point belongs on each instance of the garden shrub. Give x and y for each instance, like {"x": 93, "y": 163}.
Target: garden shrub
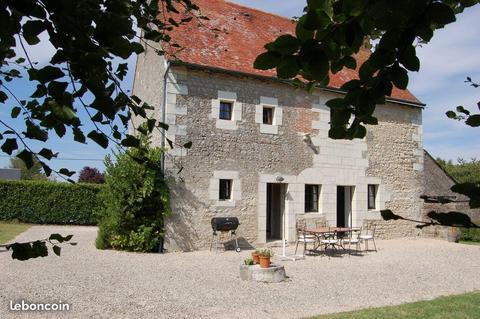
{"x": 136, "y": 201}
{"x": 47, "y": 202}
{"x": 471, "y": 234}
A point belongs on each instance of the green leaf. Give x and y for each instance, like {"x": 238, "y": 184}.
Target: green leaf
{"x": 400, "y": 77}
{"x": 41, "y": 91}
{"x": 267, "y": 60}
{"x": 99, "y": 138}
{"x": 302, "y": 33}
{"x": 451, "y": 114}
{"x": 317, "y": 19}
{"x": 78, "y": 135}
{"x": 473, "y": 120}
{"x": 46, "y": 74}
{"x": 56, "y": 88}
{"x": 409, "y": 59}
{"x": 57, "y": 250}
{"x": 366, "y": 71}
{"x": 130, "y": 141}
{"x": 163, "y": 125}
{"x": 318, "y": 67}
{"x": 3, "y": 97}
{"x": 9, "y": 145}
{"x": 35, "y": 132}
{"x": 46, "y": 169}
{"x": 33, "y": 28}
{"x": 354, "y": 7}
{"x": 15, "y": 112}
{"x": 338, "y": 103}
{"x": 285, "y": 44}
{"x": 66, "y": 172}
{"x": 288, "y": 67}
{"x": 440, "y": 13}
{"x": 27, "y": 158}
{"x": 47, "y": 153}
{"x": 350, "y": 62}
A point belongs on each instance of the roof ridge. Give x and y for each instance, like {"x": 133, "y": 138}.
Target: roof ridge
{"x": 256, "y": 9}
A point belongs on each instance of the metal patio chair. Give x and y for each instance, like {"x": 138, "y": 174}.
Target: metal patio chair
{"x": 367, "y": 233}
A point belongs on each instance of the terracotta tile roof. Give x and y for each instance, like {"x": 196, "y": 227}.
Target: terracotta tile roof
{"x": 243, "y": 33}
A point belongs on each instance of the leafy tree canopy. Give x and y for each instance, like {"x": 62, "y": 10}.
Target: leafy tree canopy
{"x": 92, "y": 38}
{"x": 331, "y": 32}
{"x": 91, "y": 175}
{"x": 463, "y": 171}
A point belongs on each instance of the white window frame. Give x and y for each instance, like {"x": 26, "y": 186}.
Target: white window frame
{"x": 229, "y": 97}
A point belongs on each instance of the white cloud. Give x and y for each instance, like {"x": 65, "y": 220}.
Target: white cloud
{"x": 41, "y": 52}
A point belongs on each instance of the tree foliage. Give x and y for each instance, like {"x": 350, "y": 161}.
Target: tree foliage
{"x": 463, "y": 171}
{"x": 92, "y": 39}
{"x": 91, "y": 175}
{"x": 331, "y": 32}
{"x": 33, "y": 173}
{"x": 136, "y": 199}
{"x": 464, "y": 114}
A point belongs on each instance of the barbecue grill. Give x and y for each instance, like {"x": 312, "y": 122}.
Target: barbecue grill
{"x": 224, "y": 225}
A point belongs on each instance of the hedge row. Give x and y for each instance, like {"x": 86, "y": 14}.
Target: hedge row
{"x": 46, "y": 202}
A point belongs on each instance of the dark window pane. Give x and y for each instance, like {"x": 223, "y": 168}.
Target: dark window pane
{"x": 225, "y": 189}
{"x": 226, "y": 110}
{"x": 268, "y": 115}
{"x": 311, "y": 198}
{"x": 372, "y": 194}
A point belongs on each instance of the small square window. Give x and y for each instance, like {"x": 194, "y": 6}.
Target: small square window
{"x": 311, "y": 198}
{"x": 372, "y": 196}
{"x": 225, "y": 189}
{"x": 226, "y": 110}
{"x": 268, "y": 115}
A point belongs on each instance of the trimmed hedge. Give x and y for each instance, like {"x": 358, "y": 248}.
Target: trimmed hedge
{"x": 46, "y": 202}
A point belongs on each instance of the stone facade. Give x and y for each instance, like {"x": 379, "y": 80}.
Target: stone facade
{"x": 295, "y": 147}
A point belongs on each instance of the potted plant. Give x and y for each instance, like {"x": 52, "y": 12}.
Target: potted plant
{"x": 248, "y": 262}
{"x": 255, "y": 256}
{"x": 453, "y": 235}
{"x": 265, "y": 256}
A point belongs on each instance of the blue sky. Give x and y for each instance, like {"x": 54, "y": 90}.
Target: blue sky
{"x": 446, "y": 61}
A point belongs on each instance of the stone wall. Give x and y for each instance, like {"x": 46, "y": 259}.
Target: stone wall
{"x": 148, "y": 85}
{"x": 243, "y": 150}
{"x": 395, "y": 153}
{"x": 252, "y": 154}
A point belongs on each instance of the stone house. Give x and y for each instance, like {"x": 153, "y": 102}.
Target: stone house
{"x": 260, "y": 147}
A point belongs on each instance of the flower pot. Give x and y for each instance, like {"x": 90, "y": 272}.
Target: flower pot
{"x": 255, "y": 257}
{"x": 264, "y": 262}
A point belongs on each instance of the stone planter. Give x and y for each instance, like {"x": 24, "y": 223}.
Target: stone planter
{"x": 274, "y": 273}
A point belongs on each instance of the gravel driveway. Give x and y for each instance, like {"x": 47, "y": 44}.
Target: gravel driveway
{"x": 111, "y": 284}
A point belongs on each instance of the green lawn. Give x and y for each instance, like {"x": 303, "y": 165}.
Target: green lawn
{"x": 469, "y": 242}
{"x": 8, "y": 231}
{"x": 464, "y": 306}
